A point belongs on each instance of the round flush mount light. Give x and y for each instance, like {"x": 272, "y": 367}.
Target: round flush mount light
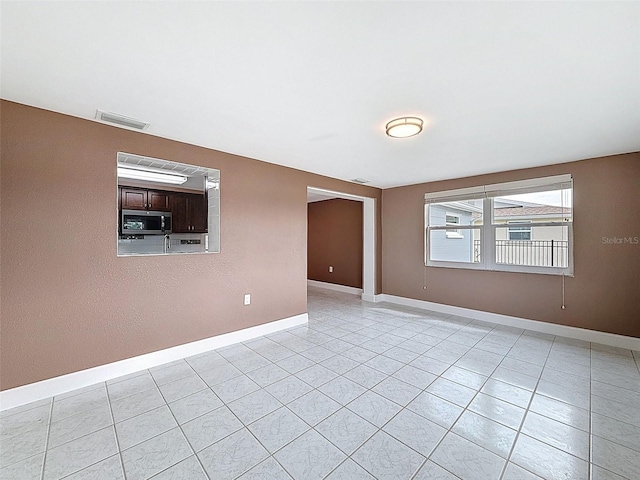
{"x": 404, "y": 127}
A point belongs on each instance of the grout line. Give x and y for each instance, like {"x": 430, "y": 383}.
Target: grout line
{"x": 405, "y": 407}
{"x": 590, "y": 470}
{"x": 370, "y": 322}
{"x": 46, "y": 443}
{"x": 467, "y": 409}
{"x": 345, "y": 407}
{"x": 115, "y": 432}
{"x": 637, "y": 425}
{"x": 524, "y": 417}
{"x": 178, "y": 424}
{"x": 225, "y": 404}
{"x": 69, "y": 441}
{"x": 27, "y": 407}
{"x": 370, "y": 389}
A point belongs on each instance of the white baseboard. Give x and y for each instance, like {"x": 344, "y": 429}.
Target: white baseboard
{"x": 621, "y": 341}
{"x": 368, "y": 297}
{"x": 55, "y": 386}
{"x": 334, "y": 286}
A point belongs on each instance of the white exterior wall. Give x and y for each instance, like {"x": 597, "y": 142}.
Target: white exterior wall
{"x": 450, "y": 249}
{"x": 547, "y": 233}
{"x": 531, "y": 252}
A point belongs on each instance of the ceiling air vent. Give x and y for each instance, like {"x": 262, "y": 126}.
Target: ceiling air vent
{"x": 359, "y": 180}
{"x": 121, "y": 120}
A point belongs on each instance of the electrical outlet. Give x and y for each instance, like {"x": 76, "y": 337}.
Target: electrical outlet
{"x": 247, "y": 299}
{"x": 330, "y": 269}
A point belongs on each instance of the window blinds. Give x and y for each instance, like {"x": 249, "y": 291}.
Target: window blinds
{"x": 455, "y": 195}
{"x": 557, "y": 182}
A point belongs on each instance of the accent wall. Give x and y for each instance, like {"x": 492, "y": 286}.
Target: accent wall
{"x": 603, "y": 293}
{"x": 70, "y": 303}
{"x": 335, "y": 239}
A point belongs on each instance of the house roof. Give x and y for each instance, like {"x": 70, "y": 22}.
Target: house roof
{"x": 526, "y": 211}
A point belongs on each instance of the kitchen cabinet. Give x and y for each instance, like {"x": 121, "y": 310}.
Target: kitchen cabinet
{"x": 179, "y": 222}
{"x": 198, "y": 212}
{"x": 133, "y": 199}
{"x": 189, "y": 213}
{"x": 159, "y": 201}
{"x": 144, "y": 199}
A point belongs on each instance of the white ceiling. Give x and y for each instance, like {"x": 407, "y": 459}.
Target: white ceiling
{"x": 310, "y": 85}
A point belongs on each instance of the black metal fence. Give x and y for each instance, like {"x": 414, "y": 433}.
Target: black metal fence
{"x": 539, "y": 253}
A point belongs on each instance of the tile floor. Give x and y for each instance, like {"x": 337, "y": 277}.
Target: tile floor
{"x": 365, "y": 391}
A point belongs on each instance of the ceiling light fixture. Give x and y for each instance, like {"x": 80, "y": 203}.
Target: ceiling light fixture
{"x": 404, "y": 127}
{"x": 151, "y": 176}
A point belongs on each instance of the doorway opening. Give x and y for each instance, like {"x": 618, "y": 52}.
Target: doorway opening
{"x": 366, "y": 251}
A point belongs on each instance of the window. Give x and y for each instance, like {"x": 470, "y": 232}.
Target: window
{"x": 453, "y": 220}
{"x": 466, "y": 215}
{"x": 528, "y": 226}
{"x": 520, "y": 232}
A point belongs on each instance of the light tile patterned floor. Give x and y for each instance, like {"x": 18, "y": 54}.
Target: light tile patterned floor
{"x": 365, "y": 391}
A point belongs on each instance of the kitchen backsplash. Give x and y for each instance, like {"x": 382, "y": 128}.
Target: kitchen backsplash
{"x": 155, "y": 244}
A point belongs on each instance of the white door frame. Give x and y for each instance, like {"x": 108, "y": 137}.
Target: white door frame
{"x": 368, "y": 238}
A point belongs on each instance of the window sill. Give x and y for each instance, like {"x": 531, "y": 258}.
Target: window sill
{"x": 556, "y": 271}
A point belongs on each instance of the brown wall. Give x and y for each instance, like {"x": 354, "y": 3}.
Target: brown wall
{"x": 335, "y": 238}
{"x": 603, "y": 294}
{"x": 69, "y": 303}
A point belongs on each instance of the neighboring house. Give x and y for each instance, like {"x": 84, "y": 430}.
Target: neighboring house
{"x": 453, "y": 245}
{"x": 519, "y": 242}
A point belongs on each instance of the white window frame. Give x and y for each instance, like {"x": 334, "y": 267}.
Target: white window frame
{"x": 488, "y": 228}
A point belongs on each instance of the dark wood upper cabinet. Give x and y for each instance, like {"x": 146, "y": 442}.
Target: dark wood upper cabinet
{"x": 143, "y": 199}
{"x": 133, "y": 199}
{"x": 198, "y": 211}
{"x": 160, "y": 201}
{"x": 179, "y": 216}
{"x": 189, "y": 213}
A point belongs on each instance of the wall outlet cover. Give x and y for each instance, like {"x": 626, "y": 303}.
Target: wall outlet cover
{"x": 247, "y": 298}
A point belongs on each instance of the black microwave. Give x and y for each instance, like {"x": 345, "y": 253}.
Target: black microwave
{"x": 144, "y": 222}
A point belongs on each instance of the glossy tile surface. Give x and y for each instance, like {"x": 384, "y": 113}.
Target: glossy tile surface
{"x": 232, "y": 456}
{"x": 547, "y": 461}
{"x": 386, "y": 458}
{"x": 278, "y": 428}
{"x": 346, "y": 430}
{"x": 364, "y": 391}
{"x": 485, "y": 432}
{"x": 310, "y": 456}
{"x": 155, "y": 455}
{"x": 80, "y": 453}
{"x": 466, "y": 459}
